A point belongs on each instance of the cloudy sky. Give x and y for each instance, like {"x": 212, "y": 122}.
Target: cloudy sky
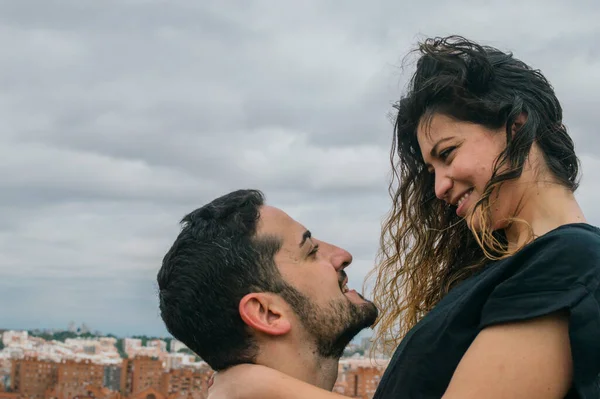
{"x": 119, "y": 116}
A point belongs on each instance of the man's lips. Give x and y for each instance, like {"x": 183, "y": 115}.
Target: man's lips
{"x": 343, "y": 282}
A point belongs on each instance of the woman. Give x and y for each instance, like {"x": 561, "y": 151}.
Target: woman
{"x": 489, "y": 274}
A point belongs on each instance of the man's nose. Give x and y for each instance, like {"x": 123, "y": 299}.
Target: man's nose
{"x": 340, "y": 258}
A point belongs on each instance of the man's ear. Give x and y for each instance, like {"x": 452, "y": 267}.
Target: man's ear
{"x": 265, "y": 313}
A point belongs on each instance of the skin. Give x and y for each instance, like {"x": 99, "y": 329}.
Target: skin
{"x": 461, "y": 156}
{"x": 313, "y": 267}
{"x": 530, "y": 359}
{"x": 291, "y": 342}
{"x": 524, "y": 360}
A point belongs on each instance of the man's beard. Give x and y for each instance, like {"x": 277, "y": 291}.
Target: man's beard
{"x": 332, "y": 327}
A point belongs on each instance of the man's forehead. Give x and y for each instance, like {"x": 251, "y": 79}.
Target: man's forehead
{"x": 274, "y": 221}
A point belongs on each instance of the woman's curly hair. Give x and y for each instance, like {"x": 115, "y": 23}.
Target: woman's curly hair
{"x": 425, "y": 247}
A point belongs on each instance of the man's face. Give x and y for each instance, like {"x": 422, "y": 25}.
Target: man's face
{"x": 330, "y": 313}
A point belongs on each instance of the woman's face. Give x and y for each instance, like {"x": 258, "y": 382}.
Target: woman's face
{"x": 462, "y": 157}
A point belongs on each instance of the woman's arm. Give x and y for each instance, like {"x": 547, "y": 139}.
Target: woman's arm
{"x": 530, "y": 360}
{"x": 248, "y": 381}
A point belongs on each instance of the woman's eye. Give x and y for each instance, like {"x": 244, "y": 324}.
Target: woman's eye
{"x": 446, "y": 153}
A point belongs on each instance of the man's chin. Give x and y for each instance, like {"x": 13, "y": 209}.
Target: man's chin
{"x": 335, "y": 326}
{"x": 360, "y": 301}
{"x": 371, "y": 314}
{"x": 364, "y": 312}
{"x": 365, "y": 315}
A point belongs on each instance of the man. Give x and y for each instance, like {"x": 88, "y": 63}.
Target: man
{"x": 246, "y": 283}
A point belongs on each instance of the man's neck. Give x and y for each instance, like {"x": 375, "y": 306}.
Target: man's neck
{"x": 301, "y": 363}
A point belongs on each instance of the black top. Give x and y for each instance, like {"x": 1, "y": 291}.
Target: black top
{"x": 559, "y": 270}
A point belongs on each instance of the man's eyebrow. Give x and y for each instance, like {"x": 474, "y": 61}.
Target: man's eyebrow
{"x": 434, "y": 150}
{"x": 305, "y": 236}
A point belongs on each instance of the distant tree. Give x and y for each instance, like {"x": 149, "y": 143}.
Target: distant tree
{"x": 59, "y": 335}
{"x": 121, "y": 349}
{"x": 62, "y": 336}
{"x": 186, "y": 351}
{"x": 88, "y": 335}
{"x": 144, "y": 339}
{"x": 40, "y": 334}
{"x": 1, "y": 345}
{"x": 352, "y": 351}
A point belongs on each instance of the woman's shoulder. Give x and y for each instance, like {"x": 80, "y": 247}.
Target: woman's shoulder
{"x": 565, "y": 260}
{"x": 576, "y": 234}
{"x": 576, "y": 245}
{"x": 556, "y": 270}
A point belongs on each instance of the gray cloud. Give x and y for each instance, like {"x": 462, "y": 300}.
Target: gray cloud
{"x": 118, "y": 117}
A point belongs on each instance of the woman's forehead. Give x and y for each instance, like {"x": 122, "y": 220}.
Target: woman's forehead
{"x": 433, "y": 129}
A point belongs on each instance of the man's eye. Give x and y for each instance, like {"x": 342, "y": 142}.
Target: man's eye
{"x": 314, "y": 250}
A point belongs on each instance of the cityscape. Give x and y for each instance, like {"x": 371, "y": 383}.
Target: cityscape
{"x": 121, "y": 117}
{"x": 77, "y": 363}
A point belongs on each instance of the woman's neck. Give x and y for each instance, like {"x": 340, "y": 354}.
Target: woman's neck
{"x": 546, "y": 206}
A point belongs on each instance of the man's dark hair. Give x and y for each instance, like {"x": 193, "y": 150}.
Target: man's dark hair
{"x": 216, "y": 260}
